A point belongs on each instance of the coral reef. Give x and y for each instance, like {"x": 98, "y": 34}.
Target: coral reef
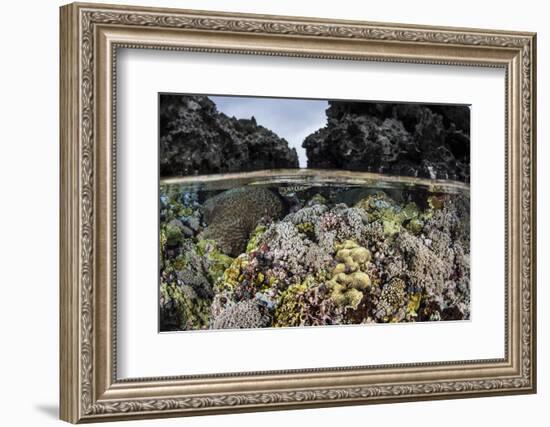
{"x": 306, "y": 304}
{"x": 389, "y": 257}
{"x": 269, "y": 250}
{"x": 197, "y": 139}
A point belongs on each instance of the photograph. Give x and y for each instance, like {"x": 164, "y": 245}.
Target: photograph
{"x": 287, "y": 212}
{"x": 266, "y": 211}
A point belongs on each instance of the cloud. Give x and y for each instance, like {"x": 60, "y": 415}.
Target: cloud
{"x": 291, "y": 119}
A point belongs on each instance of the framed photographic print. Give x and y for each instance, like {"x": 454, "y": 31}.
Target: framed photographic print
{"x": 266, "y": 212}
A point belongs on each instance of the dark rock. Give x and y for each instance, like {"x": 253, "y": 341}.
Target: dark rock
{"x": 430, "y": 141}
{"x": 195, "y": 138}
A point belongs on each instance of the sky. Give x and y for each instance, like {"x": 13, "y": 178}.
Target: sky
{"x": 291, "y": 119}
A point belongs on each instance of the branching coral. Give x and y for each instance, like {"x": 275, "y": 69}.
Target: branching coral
{"x": 247, "y": 275}
{"x": 255, "y": 238}
{"x": 290, "y": 308}
{"x": 425, "y": 270}
{"x": 234, "y": 274}
{"x": 292, "y": 254}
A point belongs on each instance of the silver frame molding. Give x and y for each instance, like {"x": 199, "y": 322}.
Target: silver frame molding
{"x": 90, "y": 37}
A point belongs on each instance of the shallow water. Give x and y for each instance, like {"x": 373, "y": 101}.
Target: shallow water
{"x": 302, "y": 247}
{"x": 315, "y": 178}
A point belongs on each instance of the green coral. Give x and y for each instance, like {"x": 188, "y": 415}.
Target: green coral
{"x": 255, "y": 238}
{"x": 380, "y": 207}
{"x": 193, "y": 312}
{"x": 415, "y": 225}
{"x": 175, "y": 208}
{"x": 174, "y": 234}
{"x": 179, "y": 263}
{"x": 307, "y": 228}
{"x": 234, "y": 274}
{"x": 414, "y": 304}
{"x": 317, "y": 199}
{"x": 349, "y": 279}
{"x": 291, "y": 305}
{"x": 242, "y": 276}
{"x": 162, "y": 244}
{"x": 184, "y": 211}
{"x": 217, "y": 261}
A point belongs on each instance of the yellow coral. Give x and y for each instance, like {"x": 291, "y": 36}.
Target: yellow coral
{"x": 360, "y": 280}
{"x": 218, "y": 261}
{"x": 352, "y": 255}
{"x": 348, "y": 278}
{"x": 340, "y": 268}
{"x": 345, "y": 297}
{"x": 306, "y": 227}
{"x": 436, "y": 202}
{"x": 414, "y": 304}
{"x": 232, "y": 276}
{"x": 255, "y": 238}
{"x": 290, "y": 307}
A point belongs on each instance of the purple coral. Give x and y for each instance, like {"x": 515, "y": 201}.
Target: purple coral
{"x": 330, "y": 221}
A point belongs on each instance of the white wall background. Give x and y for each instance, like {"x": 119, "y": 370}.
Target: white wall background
{"x": 29, "y": 170}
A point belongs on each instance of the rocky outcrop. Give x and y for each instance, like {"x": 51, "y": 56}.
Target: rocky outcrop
{"x": 195, "y": 138}
{"x": 430, "y": 141}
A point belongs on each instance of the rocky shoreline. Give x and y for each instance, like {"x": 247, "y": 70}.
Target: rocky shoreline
{"x": 419, "y": 140}
{"x": 197, "y": 139}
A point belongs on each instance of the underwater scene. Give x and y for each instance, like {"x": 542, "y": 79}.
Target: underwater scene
{"x": 364, "y": 219}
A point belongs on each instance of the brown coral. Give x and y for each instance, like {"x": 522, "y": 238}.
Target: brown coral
{"x": 234, "y": 214}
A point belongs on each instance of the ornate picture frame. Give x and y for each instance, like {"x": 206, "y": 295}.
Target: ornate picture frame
{"x": 90, "y": 37}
